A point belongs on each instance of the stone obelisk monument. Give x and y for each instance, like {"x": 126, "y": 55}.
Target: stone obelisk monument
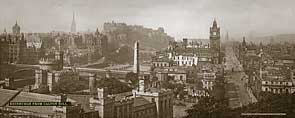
{"x": 136, "y": 60}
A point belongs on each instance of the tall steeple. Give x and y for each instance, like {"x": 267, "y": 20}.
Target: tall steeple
{"x": 16, "y": 28}
{"x": 73, "y": 26}
{"x": 214, "y": 23}
{"x": 244, "y": 42}
{"x": 4, "y": 31}
{"x": 227, "y": 36}
{"x": 215, "y": 42}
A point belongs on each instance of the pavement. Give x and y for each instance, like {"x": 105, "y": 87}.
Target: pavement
{"x": 236, "y": 90}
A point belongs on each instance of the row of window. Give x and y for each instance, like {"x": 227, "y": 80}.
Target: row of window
{"x": 278, "y": 83}
{"x": 209, "y": 76}
{"x": 207, "y": 87}
{"x": 184, "y": 58}
{"x": 277, "y": 90}
{"x": 200, "y": 93}
{"x": 169, "y": 69}
{"x": 184, "y": 62}
{"x": 208, "y": 82}
{"x": 161, "y": 64}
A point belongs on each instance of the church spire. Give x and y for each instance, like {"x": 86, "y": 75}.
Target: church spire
{"x": 16, "y": 28}
{"x": 73, "y": 26}
{"x": 214, "y": 23}
{"x": 97, "y": 32}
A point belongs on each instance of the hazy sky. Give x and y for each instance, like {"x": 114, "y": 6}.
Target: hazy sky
{"x": 180, "y": 18}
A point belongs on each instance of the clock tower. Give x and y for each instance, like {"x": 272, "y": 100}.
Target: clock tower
{"x": 215, "y": 43}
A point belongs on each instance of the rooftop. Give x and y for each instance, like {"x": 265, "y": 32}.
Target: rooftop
{"x": 123, "y": 95}
{"x": 29, "y": 97}
{"x": 140, "y": 101}
{"x": 83, "y": 100}
{"x": 276, "y": 78}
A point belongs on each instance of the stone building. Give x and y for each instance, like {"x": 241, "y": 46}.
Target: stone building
{"x": 186, "y": 59}
{"x": 215, "y": 43}
{"x": 103, "y": 103}
{"x": 32, "y": 55}
{"x": 123, "y": 107}
{"x": 269, "y": 68}
{"x": 141, "y": 103}
{"x": 142, "y": 108}
{"x": 162, "y": 62}
{"x": 274, "y": 79}
{"x": 51, "y": 71}
{"x": 277, "y": 85}
{"x": 208, "y": 80}
{"x": 174, "y": 73}
{"x": 96, "y": 43}
{"x": 191, "y": 52}
{"x": 32, "y": 52}
{"x": 13, "y": 46}
{"x": 4, "y": 50}
{"x": 16, "y": 29}
{"x": 163, "y": 99}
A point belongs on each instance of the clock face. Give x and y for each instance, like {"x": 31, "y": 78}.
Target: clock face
{"x": 214, "y": 33}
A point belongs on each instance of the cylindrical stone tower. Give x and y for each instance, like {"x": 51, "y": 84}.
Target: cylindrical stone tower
{"x": 136, "y": 60}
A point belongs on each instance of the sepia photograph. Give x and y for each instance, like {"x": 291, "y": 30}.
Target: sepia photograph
{"x": 147, "y": 59}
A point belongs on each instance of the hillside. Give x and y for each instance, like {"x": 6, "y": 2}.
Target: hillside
{"x": 281, "y": 38}
{"x": 122, "y": 34}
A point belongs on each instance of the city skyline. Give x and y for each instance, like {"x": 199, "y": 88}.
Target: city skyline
{"x": 147, "y": 59}
{"x": 179, "y": 19}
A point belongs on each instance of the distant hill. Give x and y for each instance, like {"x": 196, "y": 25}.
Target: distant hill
{"x": 281, "y": 38}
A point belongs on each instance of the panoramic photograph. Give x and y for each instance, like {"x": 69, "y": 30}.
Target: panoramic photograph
{"x": 147, "y": 59}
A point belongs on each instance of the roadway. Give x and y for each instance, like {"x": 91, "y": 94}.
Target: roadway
{"x": 236, "y": 88}
{"x": 116, "y": 69}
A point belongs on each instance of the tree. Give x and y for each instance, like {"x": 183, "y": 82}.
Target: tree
{"x": 114, "y": 86}
{"x": 42, "y": 90}
{"x": 133, "y": 77}
{"x": 168, "y": 85}
{"x": 208, "y": 107}
{"x": 269, "y": 102}
{"x": 69, "y": 83}
{"x": 122, "y": 55}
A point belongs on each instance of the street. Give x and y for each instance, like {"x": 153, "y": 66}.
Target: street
{"x": 236, "y": 90}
